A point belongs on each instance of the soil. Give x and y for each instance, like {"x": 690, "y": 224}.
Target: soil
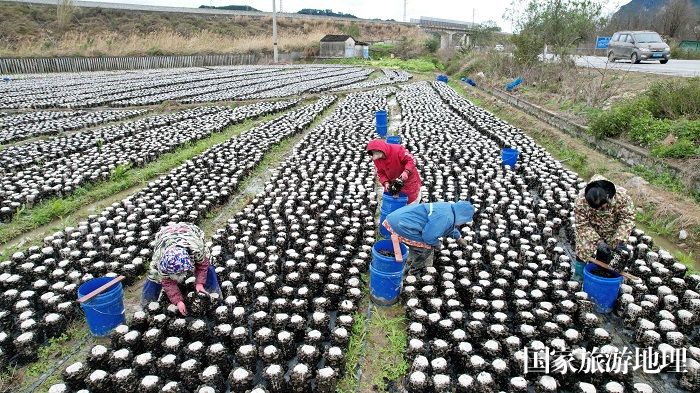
{"x": 386, "y": 253}
{"x": 374, "y": 362}
{"x": 601, "y": 272}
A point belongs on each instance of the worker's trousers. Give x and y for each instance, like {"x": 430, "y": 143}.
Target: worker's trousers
{"x": 419, "y": 258}
{"x": 152, "y": 290}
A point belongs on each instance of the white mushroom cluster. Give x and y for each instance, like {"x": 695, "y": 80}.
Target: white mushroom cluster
{"x": 39, "y": 283}
{"x": 389, "y": 77}
{"x": 473, "y": 313}
{"x": 32, "y": 124}
{"x": 97, "y": 154}
{"x": 149, "y": 87}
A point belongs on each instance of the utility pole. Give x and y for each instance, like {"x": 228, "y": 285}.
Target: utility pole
{"x": 404, "y": 10}
{"x": 281, "y": 7}
{"x": 274, "y": 31}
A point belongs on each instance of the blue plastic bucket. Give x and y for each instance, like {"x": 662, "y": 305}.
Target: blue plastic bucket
{"x": 382, "y": 130}
{"x": 442, "y": 78}
{"x": 509, "y": 156}
{"x": 602, "y": 290}
{"x": 380, "y": 118}
{"x": 393, "y": 139}
{"x": 384, "y": 287}
{"x": 387, "y": 264}
{"x": 389, "y": 204}
{"x": 105, "y": 311}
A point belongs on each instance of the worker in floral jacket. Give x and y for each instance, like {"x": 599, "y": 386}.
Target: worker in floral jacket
{"x": 604, "y": 217}
{"x": 179, "y": 249}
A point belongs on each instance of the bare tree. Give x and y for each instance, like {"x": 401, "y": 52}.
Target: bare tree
{"x": 677, "y": 16}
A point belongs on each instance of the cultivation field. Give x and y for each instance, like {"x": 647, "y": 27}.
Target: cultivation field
{"x": 293, "y": 258}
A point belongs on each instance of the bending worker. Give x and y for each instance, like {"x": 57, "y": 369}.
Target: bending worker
{"x": 421, "y": 226}
{"x": 396, "y": 169}
{"x": 179, "y": 249}
{"x": 604, "y": 220}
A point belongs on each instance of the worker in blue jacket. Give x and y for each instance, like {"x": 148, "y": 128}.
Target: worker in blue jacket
{"x": 421, "y": 226}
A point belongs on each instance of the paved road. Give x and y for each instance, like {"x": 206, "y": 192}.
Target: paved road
{"x": 673, "y": 67}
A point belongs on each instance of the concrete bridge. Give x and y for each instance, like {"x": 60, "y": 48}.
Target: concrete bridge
{"x": 452, "y": 32}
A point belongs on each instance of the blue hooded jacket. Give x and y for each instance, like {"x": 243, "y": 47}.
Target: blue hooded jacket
{"x": 426, "y": 222}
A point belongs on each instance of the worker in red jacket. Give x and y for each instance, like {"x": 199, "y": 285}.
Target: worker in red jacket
{"x": 396, "y": 169}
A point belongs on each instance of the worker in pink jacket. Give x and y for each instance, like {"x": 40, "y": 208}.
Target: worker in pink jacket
{"x": 179, "y": 249}
{"x": 396, "y": 169}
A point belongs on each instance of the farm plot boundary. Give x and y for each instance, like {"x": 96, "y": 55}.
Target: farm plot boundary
{"x": 631, "y": 155}
{"x": 79, "y": 64}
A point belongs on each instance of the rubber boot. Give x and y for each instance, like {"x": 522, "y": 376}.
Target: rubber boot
{"x": 578, "y": 270}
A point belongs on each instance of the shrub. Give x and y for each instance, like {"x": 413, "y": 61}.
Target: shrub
{"x": 647, "y": 131}
{"x": 688, "y": 129}
{"x": 527, "y": 48}
{"x": 432, "y": 44}
{"x": 673, "y": 100}
{"x": 678, "y": 53}
{"x": 381, "y": 50}
{"x": 455, "y": 65}
{"x": 353, "y": 30}
{"x": 665, "y": 108}
{"x": 410, "y": 48}
{"x": 682, "y": 148}
{"x": 616, "y": 121}
{"x": 155, "y": 51}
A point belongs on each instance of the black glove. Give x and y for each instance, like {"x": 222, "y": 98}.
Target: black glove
{"x": 604, "y": 253}
{"x": 395, "y": 186}
{"x": 620, "y": 258}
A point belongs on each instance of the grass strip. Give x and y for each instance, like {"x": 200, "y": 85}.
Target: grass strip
{"x": 391, "y": 365}
{"x": 355, "y": 352}
{"x": 667, "y": 181}
{"x": 57, "y": 349}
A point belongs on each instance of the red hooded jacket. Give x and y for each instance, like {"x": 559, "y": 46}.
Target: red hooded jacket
{"x": 396, "y": 161}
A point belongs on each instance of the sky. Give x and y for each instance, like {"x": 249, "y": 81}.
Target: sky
{"x": 463, "y": 10}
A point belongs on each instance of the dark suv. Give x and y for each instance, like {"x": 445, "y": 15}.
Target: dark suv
{"x": 637, "y": 46}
